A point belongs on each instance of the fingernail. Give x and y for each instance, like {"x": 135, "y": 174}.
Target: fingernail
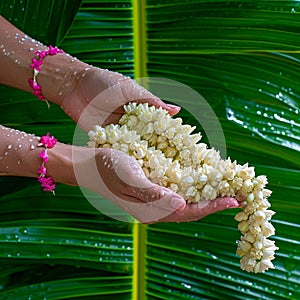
{"x": 178, "y": 203}
{"x": 232, "y": 204}
{"x": 174, "y": 106}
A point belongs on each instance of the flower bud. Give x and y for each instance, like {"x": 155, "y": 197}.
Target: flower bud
{"x": 243, "y": 226}
{"x": 170, "y": 152}
{"x": 241, "y": 216}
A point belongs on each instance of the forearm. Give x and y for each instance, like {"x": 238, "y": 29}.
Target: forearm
{"x": 19, "y": 156}
{"x": 17, "y": 49}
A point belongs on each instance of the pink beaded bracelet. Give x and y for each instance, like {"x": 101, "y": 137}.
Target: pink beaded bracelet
{"x": 47, "y": 183}
{"x": 36, "y": 66}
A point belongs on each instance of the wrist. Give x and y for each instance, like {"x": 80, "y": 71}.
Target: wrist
{"x": 60, "y": 165}
{"x": 59, "y": 75}
{"x": 20, "y": 156}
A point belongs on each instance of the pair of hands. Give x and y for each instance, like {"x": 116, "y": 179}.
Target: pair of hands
{"x": 97, "y": 97}
{"x": 91, "y": 96}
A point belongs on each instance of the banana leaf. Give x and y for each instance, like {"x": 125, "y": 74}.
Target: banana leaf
{"x": 60, "y": 247}
{"x": 243, "y": 58}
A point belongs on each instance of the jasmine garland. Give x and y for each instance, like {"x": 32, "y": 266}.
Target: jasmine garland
{"x": 170, "y": 155}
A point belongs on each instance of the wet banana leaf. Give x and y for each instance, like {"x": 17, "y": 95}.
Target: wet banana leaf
{"x": 243, "y": 58}
{"x": 47, "y": 21}
{"x": 60, "y": 247}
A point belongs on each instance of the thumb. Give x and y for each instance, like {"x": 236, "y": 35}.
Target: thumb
{"x": 164, "y": 198}
{"x": 137, "y": 93}
{"x": 157, "y": 102}
{"x": 156, "y": 203}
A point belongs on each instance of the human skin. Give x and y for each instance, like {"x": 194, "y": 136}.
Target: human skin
{"x": 88, "y": 95}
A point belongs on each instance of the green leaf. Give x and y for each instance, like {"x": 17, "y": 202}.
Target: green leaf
{"x": 47, "y": 21}
{"x": 60, "y": 246}
{"x": 242, "y": 57}
{"x": 102, "y": 35}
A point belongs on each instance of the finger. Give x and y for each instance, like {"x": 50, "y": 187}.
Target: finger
{"x": 155, "y": 202}
{"x": 157, "y": 102}
{"x": 213, "y": 206}
{"x": 132, "y": 91}
{"x": 164, "y": 198}
{"x": 158, "y": 196}
{"x": 196, "y": 211}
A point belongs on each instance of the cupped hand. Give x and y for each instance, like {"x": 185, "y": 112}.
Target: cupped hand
{"x": 119, "y": 178}
{"x": 97, "y": 96}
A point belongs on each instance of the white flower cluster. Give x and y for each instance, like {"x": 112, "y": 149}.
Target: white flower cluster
{"x": 171, "y": 156}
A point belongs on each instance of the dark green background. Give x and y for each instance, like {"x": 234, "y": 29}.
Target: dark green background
{"x": 243, "y": 57}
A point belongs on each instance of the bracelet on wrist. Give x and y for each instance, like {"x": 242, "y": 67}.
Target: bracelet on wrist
{"x": 36, "y": 64}
{"x": 47, "y": 182}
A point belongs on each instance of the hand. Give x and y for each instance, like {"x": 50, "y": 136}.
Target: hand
{"x": 87, "y": 94}
{"x": 119, "y": 178}
{"x": 197, "y": 211}
{"x": 97, "y": 96}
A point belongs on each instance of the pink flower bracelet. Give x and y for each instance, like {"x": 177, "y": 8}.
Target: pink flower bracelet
{"x": 36, "y": 64}
{"x": 47, "y": 183}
